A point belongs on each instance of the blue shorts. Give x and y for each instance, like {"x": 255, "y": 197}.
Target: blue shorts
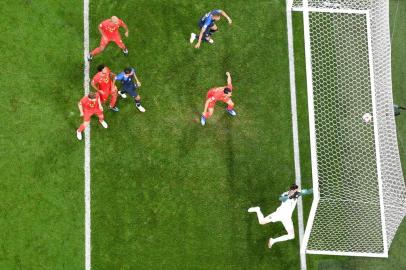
{"x": 131, "y": 91}
{"x": 207, "y": 32}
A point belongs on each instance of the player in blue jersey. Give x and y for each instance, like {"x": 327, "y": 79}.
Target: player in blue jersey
{"x": 129, "y": 84}
{"x": 207, "y": 25}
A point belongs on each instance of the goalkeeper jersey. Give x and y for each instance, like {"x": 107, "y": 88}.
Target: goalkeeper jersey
{"x": 287, "y": 207}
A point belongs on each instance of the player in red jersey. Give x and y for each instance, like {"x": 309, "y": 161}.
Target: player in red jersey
{"x": 109, "y": 30}
{"x": 88, "y": 106}
{"x": 218, "y": 94}
{"x": 103, "y": 83}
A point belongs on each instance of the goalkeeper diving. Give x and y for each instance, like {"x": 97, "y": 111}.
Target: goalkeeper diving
{"x": 283, "y": 213}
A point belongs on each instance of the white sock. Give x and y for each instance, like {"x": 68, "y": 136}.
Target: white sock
{"x": 285, "y": 237}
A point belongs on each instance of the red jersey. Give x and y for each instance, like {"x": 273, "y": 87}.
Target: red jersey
{"x": 90, "y": 105}
{"x": 103, "y": 80}
{"x": 109, "y": 28}
{"x": 216, "y": 94}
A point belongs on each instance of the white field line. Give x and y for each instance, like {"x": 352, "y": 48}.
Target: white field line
{"x": 295, "y": 127}
{"x": 87, "y": 138}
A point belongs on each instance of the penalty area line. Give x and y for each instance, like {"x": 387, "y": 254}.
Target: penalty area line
{"x": 87, "y": 138}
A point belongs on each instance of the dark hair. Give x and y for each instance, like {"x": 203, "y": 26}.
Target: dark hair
{"x": 100, "y": 67}
{"x": 91, "y": 95}
{"x": 293, "y": 187}
{"x": 227, "y": 90}
{"x": 128, "y": 70}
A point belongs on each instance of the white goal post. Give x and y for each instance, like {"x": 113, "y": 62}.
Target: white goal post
{"x": 359, "y": 190}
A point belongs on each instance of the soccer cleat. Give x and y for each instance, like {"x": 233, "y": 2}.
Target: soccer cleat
{"x": 79, "y": 135}
{"x": 210, "y": 40}
{"x": 125, "y": 51}
{"x": 140, "y": 108}
{"x": 203, "y": 120}
{"x": 253, "y": 209}
{"x": 104, "y": 124}
{"x": 114, "y": 109}
{"x": 123, "y": 95}
{"x": 231, "y": 112}
{"x": 192, "y": 37}
{"x": 270, "y": 243}
{"x": 90, "y": 57}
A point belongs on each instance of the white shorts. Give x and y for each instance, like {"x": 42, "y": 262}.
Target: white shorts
{"x": 286, "y": 220}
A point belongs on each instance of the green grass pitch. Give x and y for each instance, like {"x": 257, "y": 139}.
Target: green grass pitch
{"x": 166, "y": 193}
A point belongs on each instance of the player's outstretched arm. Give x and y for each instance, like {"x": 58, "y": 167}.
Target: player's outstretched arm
{"x": 229, "y": 81}
{"x": 122, "y": 24}
{"x": 80, "y": 108}
{"x": 227, "y": 17}
{"x": 100, "y": 105}
{"x": 306, "y": 191}
{"x": 101, "y": 30}
{"x": 199, "y": 41}
{"x": 138, "y": 81}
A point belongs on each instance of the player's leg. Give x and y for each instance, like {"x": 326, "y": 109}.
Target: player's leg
{"x": 122, "y": 93}
{"x": 207, "y": 34}
{"x": 193, "y": 36}
{"x": 83, "y": 126}
{"x": 213, "y": 29}
{"x": 113, "y": 100}
{"x": 101, "y": 119}
{"x": 261, "y": 218}
{"x": 288, "y": 224}
{"x": 207, "y": 114}
{"x": 103, "y": 43}
{"x": 137, "y": 100}
{"x": 230, "y": 107}
{"x": 117, "y": 39}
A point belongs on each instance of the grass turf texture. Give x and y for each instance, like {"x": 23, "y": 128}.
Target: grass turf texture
{"x": 166, "y": 193}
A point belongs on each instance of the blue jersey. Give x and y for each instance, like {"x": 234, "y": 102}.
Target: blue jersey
{"x": 207, "y": 21}
{"x": 126, "y": 81}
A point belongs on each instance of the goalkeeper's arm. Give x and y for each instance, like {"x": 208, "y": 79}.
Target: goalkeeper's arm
{"x": 285, "y": 195}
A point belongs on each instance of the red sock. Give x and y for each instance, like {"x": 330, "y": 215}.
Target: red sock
{"x": 81, "y": 128}
{"x": 101, "y": 117}
{"x": 206, "y": 115}
{"x": 230, "y": 107}
{"x": 113, "y": 100}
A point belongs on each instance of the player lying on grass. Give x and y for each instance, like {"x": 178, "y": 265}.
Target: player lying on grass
{"x": 218, "y": 94}
{"x": 283, "y": 213}
{"x": 103, "y": 83}
{"x": 88, "y": 106}
{"x": 129, "y": 85}
{"x": 109, "y": 30}
{"x": 208, "y": 27}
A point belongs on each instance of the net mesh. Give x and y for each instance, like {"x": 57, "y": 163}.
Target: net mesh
{"x": 348, "y": 217}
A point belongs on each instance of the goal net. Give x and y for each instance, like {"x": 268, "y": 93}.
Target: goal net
{"x": 360, "y": 194}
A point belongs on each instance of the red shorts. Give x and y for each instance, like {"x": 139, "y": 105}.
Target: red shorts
{"x": 105, "y": 96}
{"x": 113, "y": 38}
{"x": 88, "y": 114}
{"x": 213, "y": 103}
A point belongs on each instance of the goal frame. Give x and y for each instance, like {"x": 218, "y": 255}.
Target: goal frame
{"x": 312, "y": 127}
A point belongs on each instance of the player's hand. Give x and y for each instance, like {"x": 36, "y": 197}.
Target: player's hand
{"x": 139, "y": 84}
{"x": 197, "y": 46}
{"x": 126, "y": 33}
{"x": 230, "y": 21}
{"x": 228, "y": 74}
